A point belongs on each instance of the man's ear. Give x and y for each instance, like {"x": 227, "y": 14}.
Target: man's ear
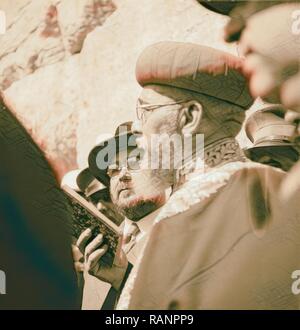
{"x": 190, "y": 117}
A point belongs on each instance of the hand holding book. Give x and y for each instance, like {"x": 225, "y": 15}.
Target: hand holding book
{"x": 89, "y": 255}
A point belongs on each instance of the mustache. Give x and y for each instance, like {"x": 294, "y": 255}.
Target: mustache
{"x": 141, "y": 206}
{"x": 122, "y": 186}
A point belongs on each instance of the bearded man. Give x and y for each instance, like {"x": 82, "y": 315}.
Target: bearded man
{"x": 225, "y": 239}
{"x": 136, "y": 196}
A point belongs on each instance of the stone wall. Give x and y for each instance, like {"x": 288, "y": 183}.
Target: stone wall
{"x": 39, "y": 68}
{"x": 67, "y": 67}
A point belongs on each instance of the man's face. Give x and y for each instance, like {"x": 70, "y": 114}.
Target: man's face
{"x": 135, "y": 192}
{"x": 161, "y": 118}
{"x": 157, "y": 120}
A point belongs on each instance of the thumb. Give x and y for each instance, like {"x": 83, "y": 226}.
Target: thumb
{"x": 290, "y": 93}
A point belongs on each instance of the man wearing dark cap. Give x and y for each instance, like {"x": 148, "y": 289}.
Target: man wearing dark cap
{"x": 224, "y": 240}
{"x": 132, "y": 190}
{"x": 272, "y": 137}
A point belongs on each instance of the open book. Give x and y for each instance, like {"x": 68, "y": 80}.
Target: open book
{"x": 86, "y": 215}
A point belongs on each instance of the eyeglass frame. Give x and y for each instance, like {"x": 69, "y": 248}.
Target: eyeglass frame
{"x": 119, "y": 168}
{"x": 152, "y": 107}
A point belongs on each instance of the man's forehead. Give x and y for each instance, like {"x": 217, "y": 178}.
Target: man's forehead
{"x": 154, "y": 94}
{"x": 122, "y": 156}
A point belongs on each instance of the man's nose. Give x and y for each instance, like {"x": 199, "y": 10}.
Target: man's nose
{"x": 125, "y": 175}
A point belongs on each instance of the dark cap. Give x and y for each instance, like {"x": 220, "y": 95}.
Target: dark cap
{"x": 103, "y": 154}
{"x": 197, "y": 69}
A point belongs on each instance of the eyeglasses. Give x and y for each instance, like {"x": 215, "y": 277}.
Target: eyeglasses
{"x": 142, "y": 109}
{"x": 131, "y": 164}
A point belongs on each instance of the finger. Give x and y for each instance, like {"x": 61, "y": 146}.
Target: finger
{"x": 253, "y": 63}
{"x": 83, "y": 238}
{"x": 74, "y": 248}
{"x": 79, "y": 266}
{"x": 95, "y": 257}
{"x": 76, "y": 253}
{"x": 245, "y": 45}
{"x": 290, "y": 94}
{"x": 264, "y": 78}
{"x": 290, "y": 186}
{"x": 262, "y": 84}
{"x": 292, "y": 116}
{"x": 97, "y": 241}
{"x": 234, "y": 28}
